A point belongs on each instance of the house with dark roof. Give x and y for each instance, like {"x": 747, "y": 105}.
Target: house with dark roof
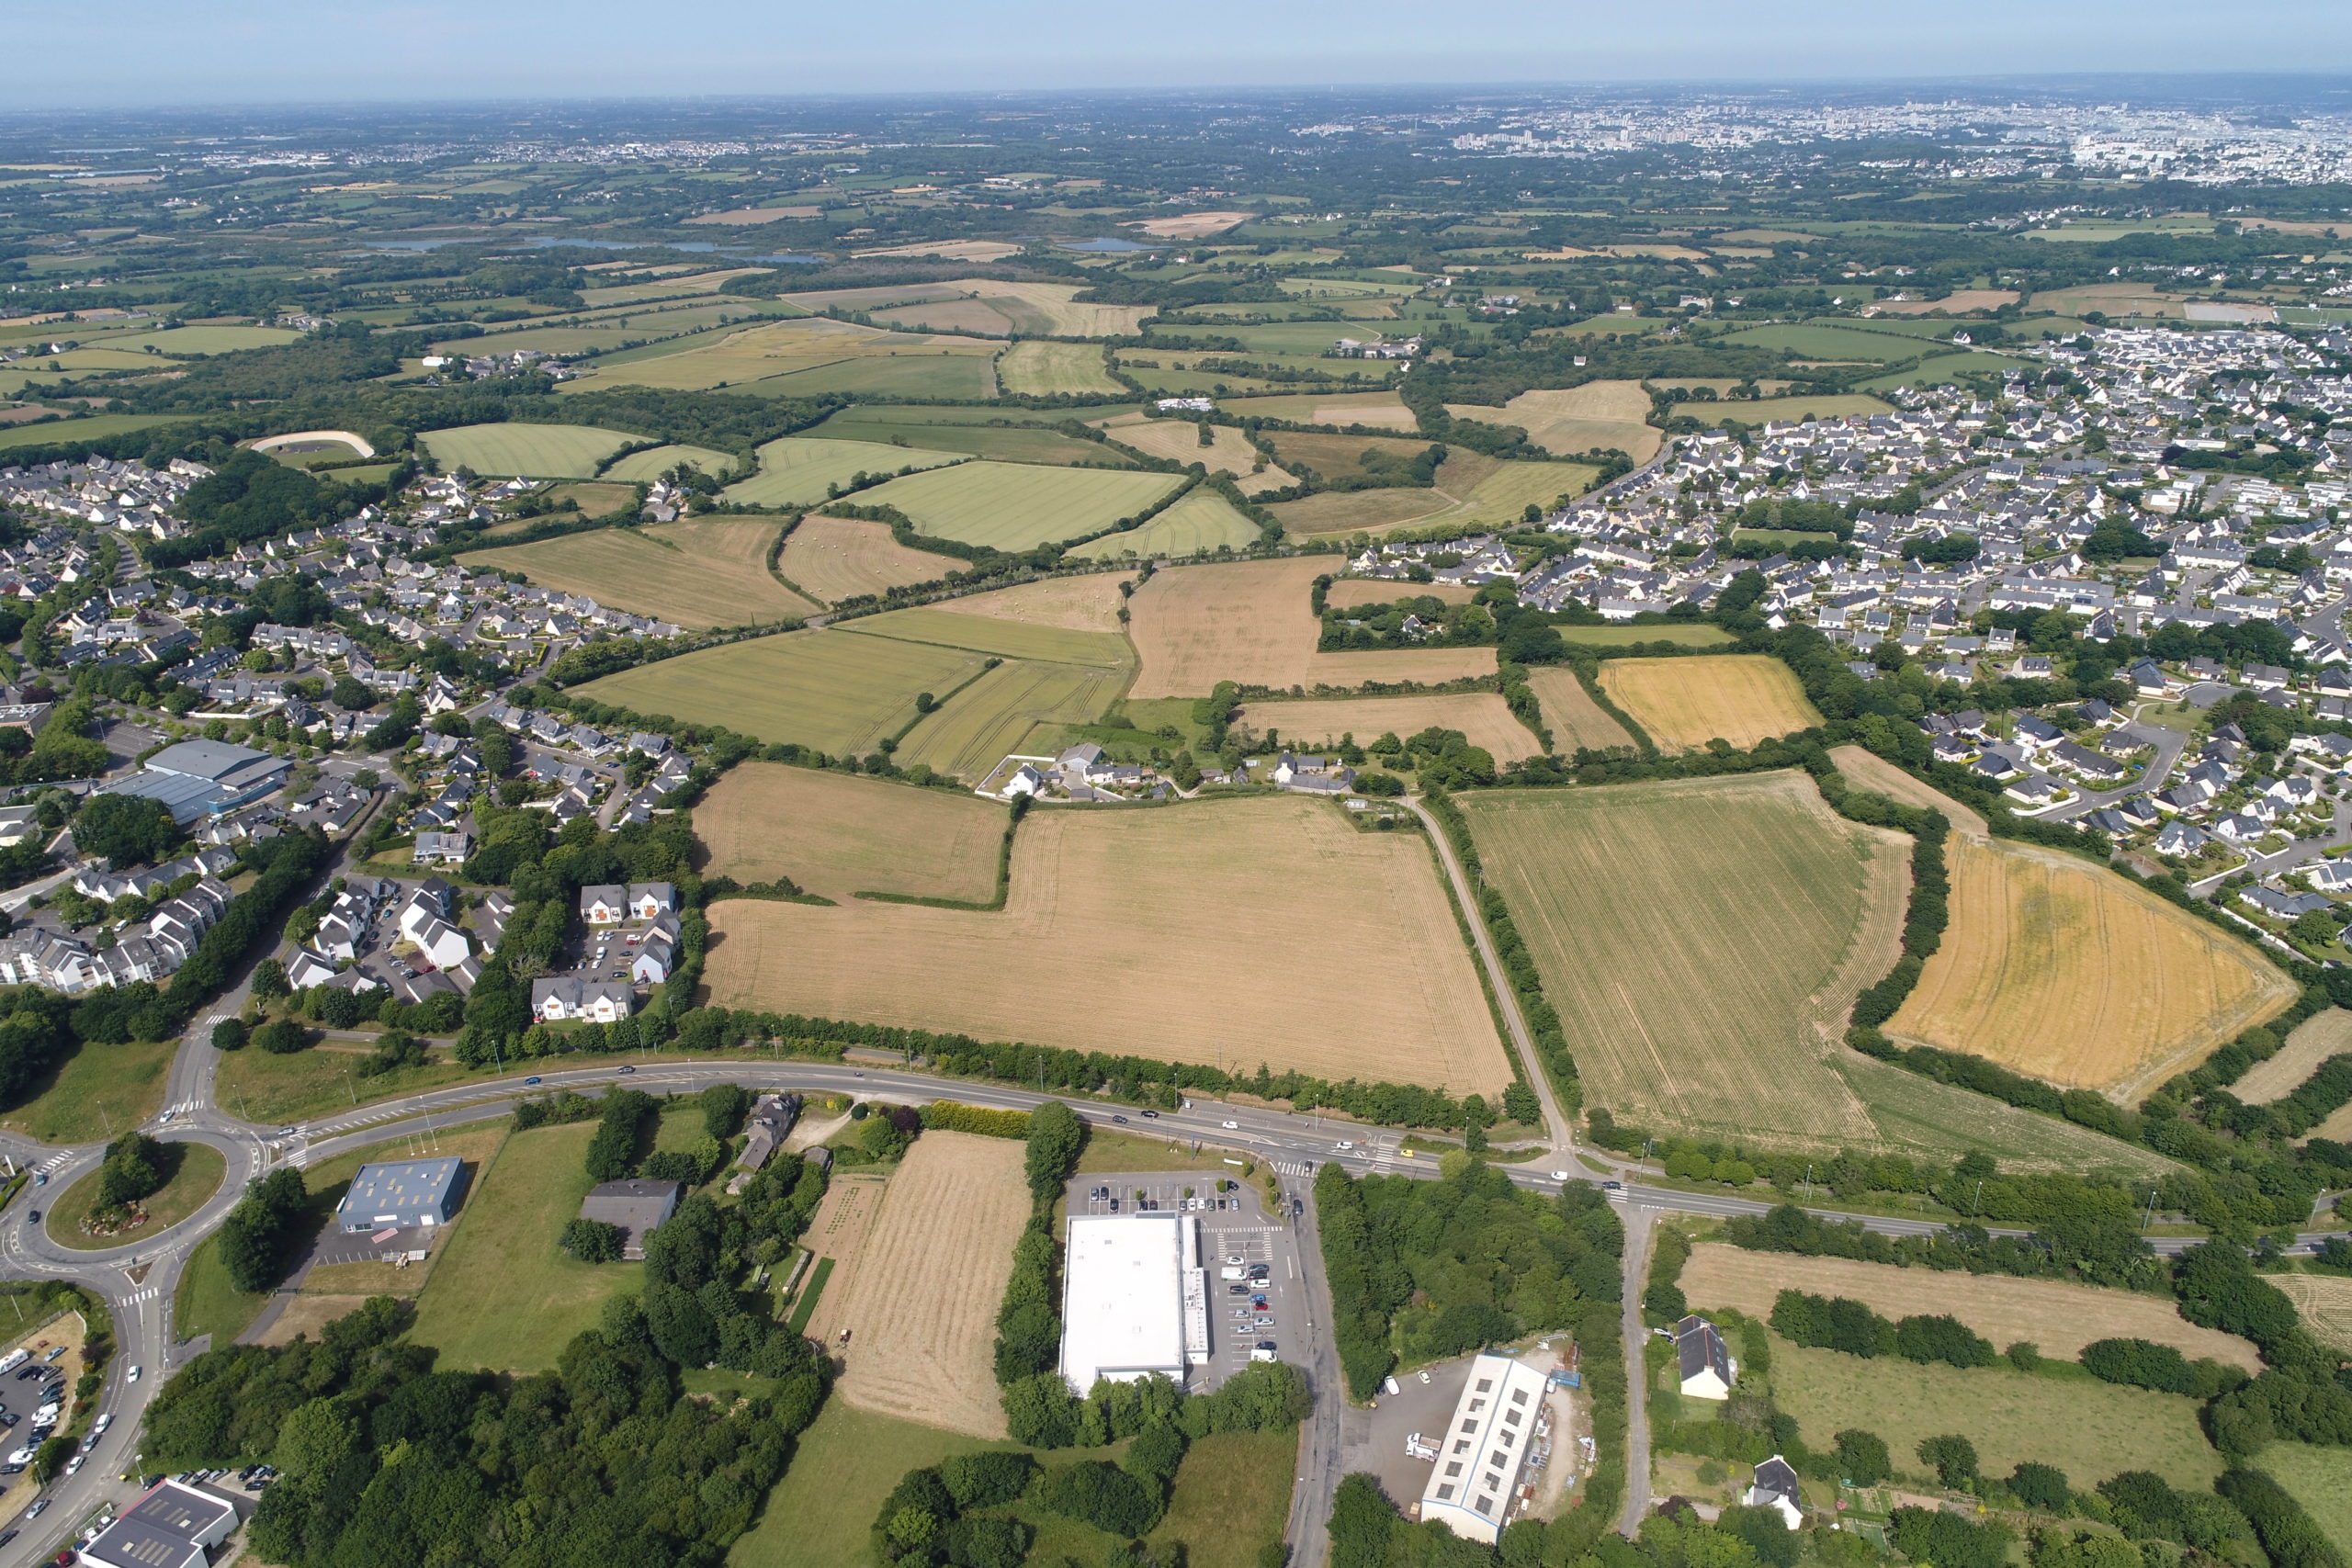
{"x": 1704, "y": 1364}
{"x": 1775, "y": 1487}
{"x": 637, "y": 1207}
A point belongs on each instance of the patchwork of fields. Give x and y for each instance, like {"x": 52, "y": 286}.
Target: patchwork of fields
{"x": 1125, "y": 895}
{"x": 1201, "y": 523}
{"x": 1014, "y": 506}
{"x": 832, "y": 690}
{"x": 799, "y": 471}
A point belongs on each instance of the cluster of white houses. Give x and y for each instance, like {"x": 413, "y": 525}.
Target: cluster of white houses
{"x": 39, "y": 957}
{"x": 644, "y": 917}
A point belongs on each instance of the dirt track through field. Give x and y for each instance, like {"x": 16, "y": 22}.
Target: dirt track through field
{"x": 1482, "y": 717}
{"x": 2078, "y": 975}
{"x": 1253, "y": 623}
{"x": 922, "y": 1301}
{"x": 2058, "y": 1316}
{"x": 1234, "y": 931}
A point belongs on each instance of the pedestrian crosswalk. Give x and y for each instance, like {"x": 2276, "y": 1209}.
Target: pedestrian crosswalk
{"x": 1293, "y": 1167}
{"x": 148, "y": 1294}
{"x": 50, "y": 1163}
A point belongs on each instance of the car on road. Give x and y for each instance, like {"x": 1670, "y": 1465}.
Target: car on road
{"x": 1343, "y": 1146}
{"x": 7, "y": 1537}
{"x": 74, "y": 1465}
{"x": 1229, "y": 1126}
{"x": 132, "y": 1375}
{"x": 32, "y": 1216}
{"x": 1425, "y": 1377}
{"x": 626, "y": 1071}
{"x": 1120, "y": 1120}
{"x": 1563, "y": 1174}
{"x": 529, "y": 1081}
{"x": 41, "y": 1506}
{"x": 1615, "y": 1189}
{"x": 41, "y": 1180}
{"x": 290, "y": 1131}
{"x": 1153, "y": 1114}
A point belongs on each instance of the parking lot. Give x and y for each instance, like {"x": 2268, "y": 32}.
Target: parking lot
{"x": 1241, "y": 1228}
{"x": 335, "y": 1245}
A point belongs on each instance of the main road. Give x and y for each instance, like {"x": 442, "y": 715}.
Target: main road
{"x": 137, "y": 1282}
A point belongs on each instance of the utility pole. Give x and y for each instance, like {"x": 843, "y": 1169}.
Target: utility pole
{"x": 1977, "y": 1201}
{"x": 348, "y": 1087}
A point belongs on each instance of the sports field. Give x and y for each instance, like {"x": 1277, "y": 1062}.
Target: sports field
{"x": 1578, "y": 419}
{"x": 797, "y": 470}
{"x": 2326, "y": 1034}
{"x": 832, "y": 690}
{"x": 2058, "y": 1316}
{"x": 2091, "y": 1430}
{"x": 838, "y": 836}
{"x": 835, "y": 559}
{"x": 501, "y": 1295}
{"x": 1710, "y": 1003}
{"x": 1686, "y": 702}
{"x": 922, "y": 1298}
{"x": 1197, "y": 524}
{"x": 1087, "y": 601}
{"x": 1482, "y": 717}
{"x": 1575, "y": 720}
{"x": 1253, "y": 621}
{"x": 1016, "y": 506}
{"x": 704, "y": 571}
{"x": 644, "y": 467}
{"x": 2073, "y": 974}
{"x": 1766, "y": 411}
{"x": 1043, "y": 369}
{"x": 1175, "y": 906}
{"x": 532, "y": 451}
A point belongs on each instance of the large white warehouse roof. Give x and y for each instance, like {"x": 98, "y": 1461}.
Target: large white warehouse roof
{"x": 1124, "y": 1297}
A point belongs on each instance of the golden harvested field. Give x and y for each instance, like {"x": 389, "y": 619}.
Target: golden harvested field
{"x": 920, "y": 1303}
{"x": 2325, "y": 1303}
{"x": 1713, "y": 1003}
{"x": 1253, "y": 621}
{"x": 2058, "y": 1316}
{"x": 2318, "y": 1037}
{"x": 838, "y": 836}
{"x": 1177, "y": 905}
{"x": 952, "y": 250}
{"x": 1179, "y": 440}
{"x": 2080, "y": 976}
{"x": 1359, "y": 511}
{"x": 1483, "y": 716}
{"x": 704, "y": 571}
{"x": 1386, "y": 411}
{"x": 1766, "y": 411}
{"x": 1685, "y": 703}
{"x": 1190, "y": 225}
{"x": 1087, "y": 602}
{"x": 1042, "y": 309}
{"x": 1598, "y": 413}
{"x": 841, "y": 557}
{"x": 1574, "y": 718}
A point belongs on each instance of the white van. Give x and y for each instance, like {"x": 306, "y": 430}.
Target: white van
{"x": 1231, "y": 1271}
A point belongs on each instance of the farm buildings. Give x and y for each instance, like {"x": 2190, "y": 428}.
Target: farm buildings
{"x": 1134, "y": 1299}
{"x": 1495, "y": 1425}
{"x": 401, "y": 1193}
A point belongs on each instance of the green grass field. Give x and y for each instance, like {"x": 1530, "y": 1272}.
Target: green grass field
{"x": 208, "y": 1302}
{"x": 899, "y": 375}
{"x": 2091, "y": 1430}
{"x": 41, "y": 433}
{"x": 1824, "y": 342}
{"x": 96, "y": 1093}
{"x": 533, "y": 451}
{"x": 266, "y": 1087}
{"x": 1504, "y": 495}
{"x": 1010, "y": 443}
{"x": 812, "y": 1291}
{"x": 832, "y": 690}
{"x": 976, "y": 727}
{"x": 1201, "y": 521}
{"x": 991, "y": 633}
{"x": 700, "y": 571}
{"x": 643, "y": 468}
{"x": 1765, "y": 411}
{"x": 183, "y": 342}
{"x": 2321, "y": 1480}
{"x": 797, "y": 471}
{"x": 1042, "y": 367}
{"x": 1014, "y": 506}
{"x": 501, "y": 1295}
{"x": 1695, "y": 635}
{"x": 201, "y": 1173}
{"x": 1942, "y": 369}
{"x": 1231, "y": 1498}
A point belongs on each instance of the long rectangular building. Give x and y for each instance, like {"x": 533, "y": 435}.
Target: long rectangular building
{"x": 1485, "y": 1447}
{"x": 1134, "y": 1300}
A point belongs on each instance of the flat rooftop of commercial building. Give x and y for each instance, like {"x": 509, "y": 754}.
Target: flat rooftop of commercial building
{"x": 400, "y": 1192}
{"x": 1122, "y": 1298}
{"x": 205, "y": 759}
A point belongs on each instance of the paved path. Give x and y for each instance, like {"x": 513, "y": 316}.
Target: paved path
{"x": 1640, "y": 1220}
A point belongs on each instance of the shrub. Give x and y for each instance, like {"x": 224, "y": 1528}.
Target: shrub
{"x": 229, "y": 1035}
{"x": 282, "y": 1038}
{"x": 1862, "y": 1457}
{"x": 2040, "y": 1487}
{"x": 1105, "y": 1497}
{"x": 2140, "y": 1364}
{"x": 593, "y": 1241}
{"x": 1953, "y": 1459}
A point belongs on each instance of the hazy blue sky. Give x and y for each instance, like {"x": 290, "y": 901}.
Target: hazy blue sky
{"x": 165, "y": 51}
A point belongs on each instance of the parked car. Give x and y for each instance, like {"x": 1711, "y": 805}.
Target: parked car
{"x": 41, "y": 1506}
{"x": 75, "y": 1464}
{"x": 1237, "y": 1290}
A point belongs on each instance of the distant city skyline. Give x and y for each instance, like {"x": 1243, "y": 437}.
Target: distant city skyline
{"x": 165, "y": 52}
